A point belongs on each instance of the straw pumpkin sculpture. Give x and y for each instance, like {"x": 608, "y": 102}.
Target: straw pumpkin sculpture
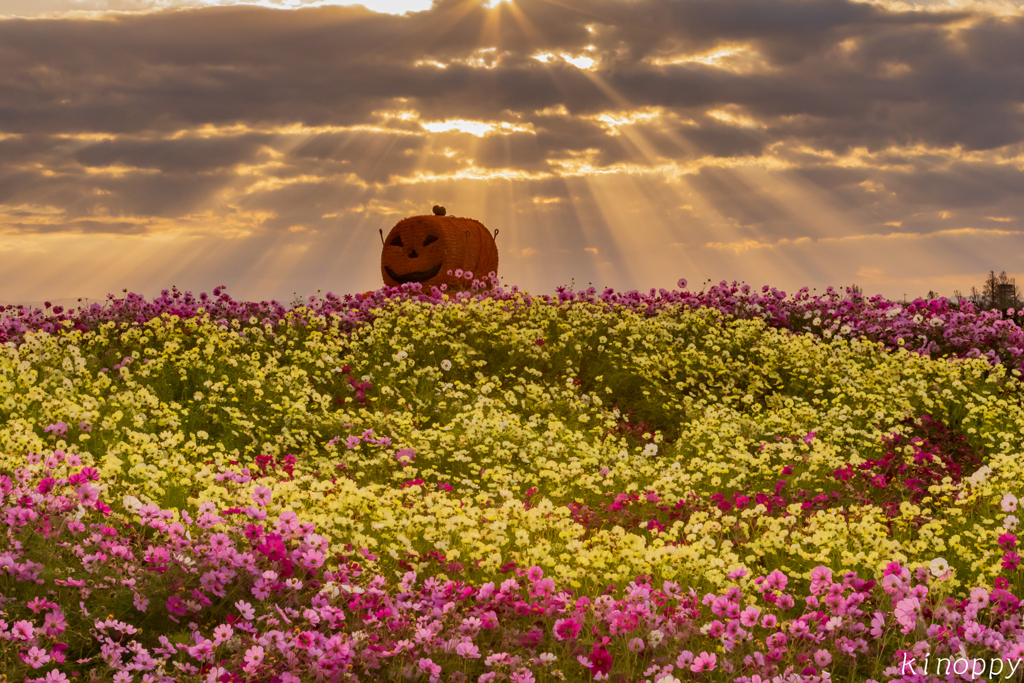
{"x": 426, "y": 249}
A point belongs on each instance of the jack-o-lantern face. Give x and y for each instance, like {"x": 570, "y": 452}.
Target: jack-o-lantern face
{"x": 425, "y": 248}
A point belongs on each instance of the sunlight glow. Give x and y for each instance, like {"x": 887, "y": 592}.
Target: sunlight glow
{"x": 477, "y": 128}
{"x": 735, "y": 119}
{"x": 471, "y": 173}
{"x": 639, "y": 116}
{"x": 735, "y": 58}
{"x": 581, "y": 62}
{"x": 481, "y": 58}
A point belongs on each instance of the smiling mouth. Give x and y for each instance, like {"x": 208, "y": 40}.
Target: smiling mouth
{"x": 418, "y": 276}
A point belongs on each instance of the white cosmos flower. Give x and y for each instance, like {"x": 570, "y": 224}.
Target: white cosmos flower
{"x": 979, "y": 477}
{"x": 446, "y": 365}
{"x": 938, "y": 567}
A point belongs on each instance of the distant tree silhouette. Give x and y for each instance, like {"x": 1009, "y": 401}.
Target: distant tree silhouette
{"x": 1002, "y": 291}
{"x": 999, "y": 292}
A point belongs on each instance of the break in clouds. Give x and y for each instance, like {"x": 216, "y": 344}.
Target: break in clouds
{"x": 727, "y": 138}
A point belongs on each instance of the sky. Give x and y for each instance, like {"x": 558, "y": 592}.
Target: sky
{"x": 613, "y": 143}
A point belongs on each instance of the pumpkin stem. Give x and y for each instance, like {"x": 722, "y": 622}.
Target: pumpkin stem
{"x": 439, "y": 210}
{"x": 381, "y": 231}
{"x": 495, "y": 233}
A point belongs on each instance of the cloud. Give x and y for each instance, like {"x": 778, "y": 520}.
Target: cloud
{"x": 772, "y": 121}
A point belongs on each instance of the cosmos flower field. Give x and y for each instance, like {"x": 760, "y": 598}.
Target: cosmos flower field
{"x": 725, "y": 485}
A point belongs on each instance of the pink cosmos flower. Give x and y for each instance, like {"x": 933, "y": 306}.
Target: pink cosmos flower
{"x": 54, "y": 623}
{"x": 601, "y": 660}
{"x": 222, "y": 634}
{"x": 776, "y": 581}
{"x": 822, "y": 658}
{"x": 748, "y": 617}
{"x": 524, "y": 676}
{"x": 261, "y": 495}
{"x": 467, "y": 650}
{"x": 821, "y": 578}
{"x": 635, "y": 645}
{"x": 427, "y": 666}
{"x": 567, "y": 629}
{"x": 974, "y": 632}
{"x": 56, "y": 676}
{"x": 704, "y": 662}
{"x": 220, "y": 542}
{"x": 877, "y": 624}
{"x": 88, "y": 494}
{"x": 23, "y": 630}
{"x": 906, "y": 613}
{"x": 979, "y": 597}
{"x": 246, "y": 610}
{"x": 35, "y": 657}
{"x": 312, "y": 559}
{"x": 534, "y": 573}
{"x": 1011, "y": 561}
{"x": 253, "y": 657}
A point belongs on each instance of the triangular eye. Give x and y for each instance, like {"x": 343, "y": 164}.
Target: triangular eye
{"x": 397, "y": 242}
{"x": 430, "y": 238}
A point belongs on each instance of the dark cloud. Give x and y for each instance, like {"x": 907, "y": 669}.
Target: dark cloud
{"x": 172, "y": 156}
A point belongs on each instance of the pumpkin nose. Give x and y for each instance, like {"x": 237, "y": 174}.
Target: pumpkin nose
{"x": 413, "y": 254}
